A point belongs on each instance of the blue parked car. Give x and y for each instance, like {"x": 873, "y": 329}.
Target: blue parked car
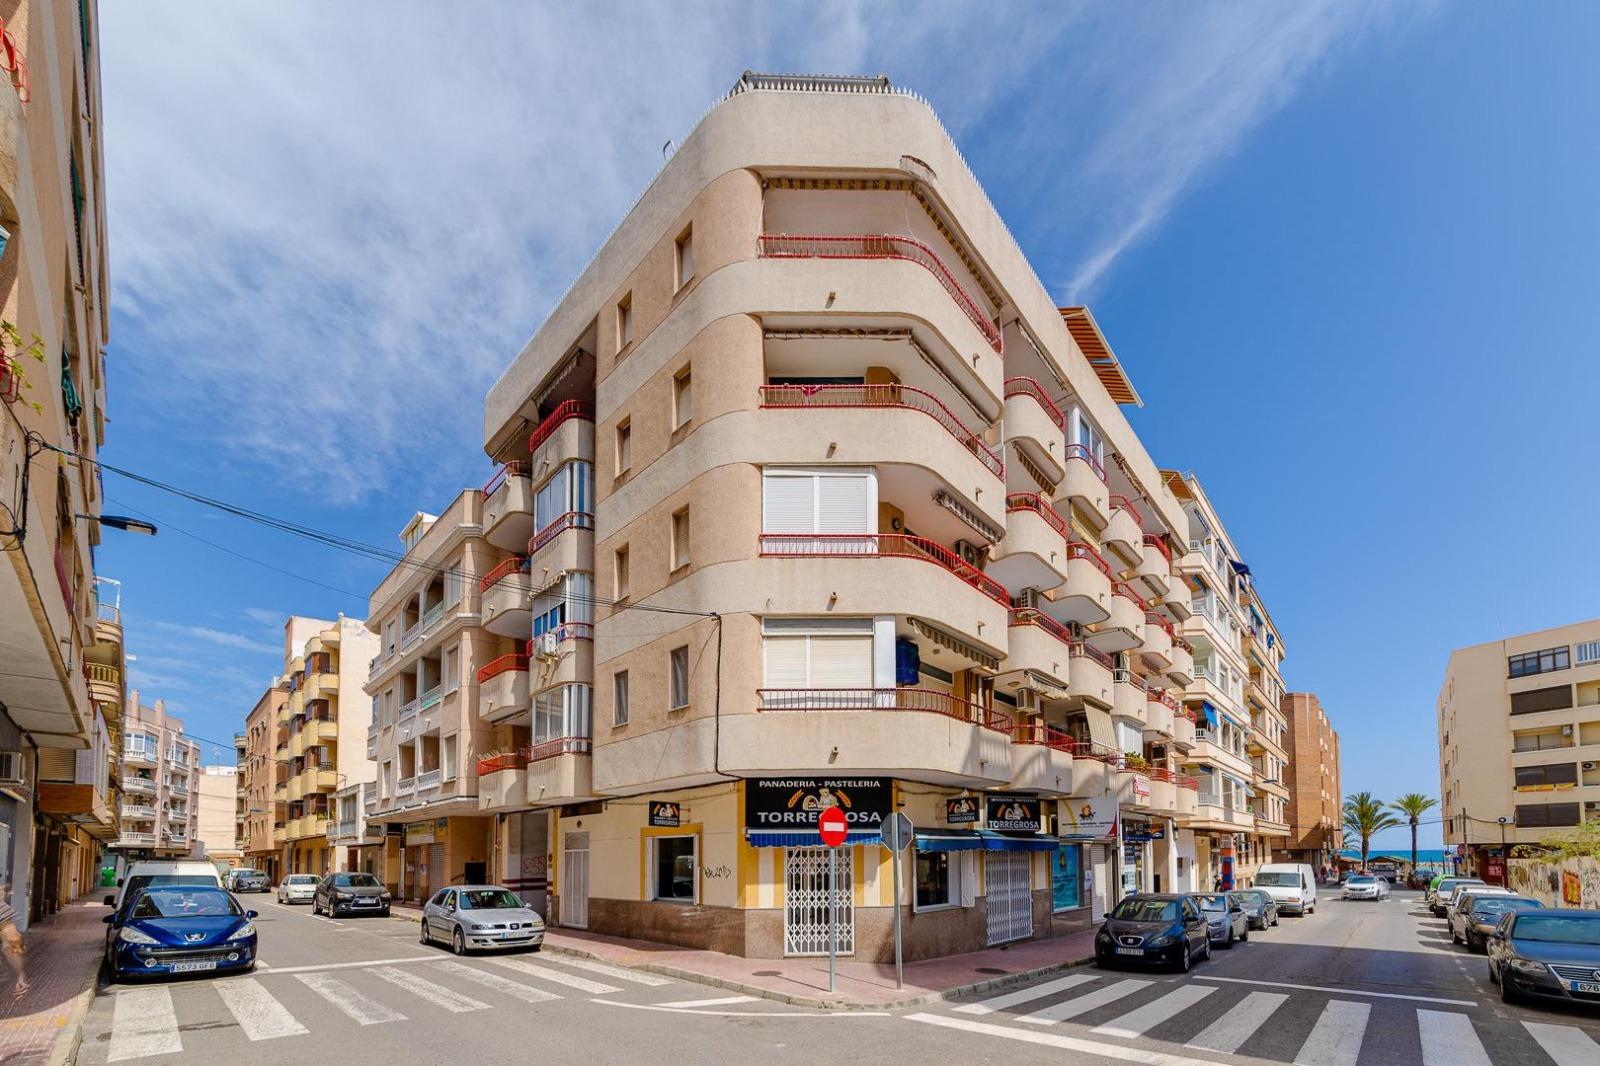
{"x": 174, "y": 929}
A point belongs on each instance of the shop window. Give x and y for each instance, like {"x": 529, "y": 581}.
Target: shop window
{"x": 672, "y": 867}
{"x": 938, "y": 880}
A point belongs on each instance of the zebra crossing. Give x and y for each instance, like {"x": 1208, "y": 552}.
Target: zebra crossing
{"x": 149, "y": 1021}
{"x": 1095, "y": 1012}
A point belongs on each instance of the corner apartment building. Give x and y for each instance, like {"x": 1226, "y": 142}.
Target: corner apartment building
{"x": 321, "y": 735}
{"x": 832, "y": 506}
{"x": 54, "y": 324}
{"x": 160, "y": 784}
{"x": 260, "y": 814}
{"x": 1519, "y": 741}
{"x": 433, "y": 645}
{"x": 1316, "y": 799}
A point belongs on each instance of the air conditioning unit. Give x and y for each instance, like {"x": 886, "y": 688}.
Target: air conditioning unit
{"x": 970, "y": 553}
{"x": 547, "y": 643}
{"x": 1590, "y": 765}
{"x": 14, "y": 774}
{"x": 1566, "y": 730}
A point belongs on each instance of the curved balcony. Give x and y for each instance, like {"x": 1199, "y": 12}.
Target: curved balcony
{"x": 1128, "y": 696}
{"x": 508, "y": 598}
{"x": 913, "y": 733}
{"x": 508, "y": 507}
{"x": 1041, "y": 759}
{"x": 1163, "y": 791}
{"x": 1158, "y": 640}
{"x": 565, "y": 545}
{"x": 1188, "y": 795}
{"x": 563, "y": 656}
{"x": 1083, "y": 593}
{"x": 1161, "y": 712}
{"x": 888, "y": 396}
{"x": 1155, "y": 565}
{"x": 566, "y": 433}
{"x": 1176, "y": 602}
{"x": 539, "y": 775}
{"x": 883, "y": 546}
{"x": 1182, "y": 731}
{"x": 319, "y": 687}
{"x": 1132, "y": 785}
{"x": 1035, "y": 427}
{"x": 503, "y": 688}
{"x": 1180, "y": 666}
{"x": 280, "y": 834}
{"x": 1124, "y": 629}
{"x": 295, "y": 787}
{"x": 884, "y": 246}
{"x": 1033, "y": 552}
{"x": 1085, "y": 485}
{"x": 1038, "y": 642}
{"x": 1123, "y": 536}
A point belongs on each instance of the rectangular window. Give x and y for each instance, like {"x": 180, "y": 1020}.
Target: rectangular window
{"x": 682, "y": 399}
{"x": 562, "y": 712}
{"x": 1538, "y": 662}
{"x": 569, "y": 491}
{"x": 672, "y": 869}
{"x": 680, "y": 538}
{"x": 1555, "y": 698}
{"x": 619, "y": 698}
{"x": 624, "y": 446}
{"x": 801, "y": 655}
{"x": 1085, "y": 434}
{"x": 798, "y": 502}
{"x": 447, "y": 757}
{"x": 451, "y": 668}
{"x": 1546, "y": 815}
{"x": 1550, "y": 774}
{"x": 1589, "y": 652}
{"x": 938, "y": 880}
{"x": 619, "y": 569}
{"x": 625, "y": 322}
{"x": 680, "y": 679}
{"x": 570, "y": 601}
{"x": 685, "y": 258}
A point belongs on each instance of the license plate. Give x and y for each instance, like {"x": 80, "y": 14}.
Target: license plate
{"x": 194, "y": 964}
{"x": 1130, "y": 951}
{"x": 1591, "y": 987}
{"x": 366, "y": 903}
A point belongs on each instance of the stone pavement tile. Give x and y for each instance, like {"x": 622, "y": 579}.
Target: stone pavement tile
{"x": 63, "y": 957}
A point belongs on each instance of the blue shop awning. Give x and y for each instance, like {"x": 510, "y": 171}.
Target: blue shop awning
{"x": 1210, "y": 712}
{"x": 981, "y": 840}
{"x": 804, "y": 838}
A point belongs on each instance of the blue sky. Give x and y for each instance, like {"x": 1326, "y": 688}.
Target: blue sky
{"x": 1349, "y": 254}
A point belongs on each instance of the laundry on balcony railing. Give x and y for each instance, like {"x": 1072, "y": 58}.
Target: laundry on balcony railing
{"x": 883, "y": 546}
{"x": 886, "y": 396}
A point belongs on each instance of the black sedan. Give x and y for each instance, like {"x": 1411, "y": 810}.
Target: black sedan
{"x": 1552, "y": 953}
{"x": 1260, "y": 909}
{"x": 1154, "y": 930}
{"x": 350, "y": 893}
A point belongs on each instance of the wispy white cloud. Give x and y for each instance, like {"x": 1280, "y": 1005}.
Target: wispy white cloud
{"x": 219, "y": 637}
{"x": 264, "y": 615}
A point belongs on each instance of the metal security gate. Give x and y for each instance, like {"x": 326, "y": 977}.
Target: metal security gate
{"x": 805, "y": 901}
{"x": 1009, "y": 895}
{"x": 575, "y": 881}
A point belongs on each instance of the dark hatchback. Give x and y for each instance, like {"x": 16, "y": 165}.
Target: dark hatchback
{"x": 1553, "y": 953}
{"x": 350, "y": 893}
{"x": 1153, "y": 930}
{"x": 177, "y": 929}
{"x": 1260, "y": 909}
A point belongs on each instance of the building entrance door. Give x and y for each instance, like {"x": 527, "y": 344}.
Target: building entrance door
{"x": 805, "y": 901}
{"x": 1009, "y": 895}
{"x": 575, "y": 881}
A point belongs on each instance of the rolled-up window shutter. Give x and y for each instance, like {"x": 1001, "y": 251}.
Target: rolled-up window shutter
{"x": 788, "y": 504}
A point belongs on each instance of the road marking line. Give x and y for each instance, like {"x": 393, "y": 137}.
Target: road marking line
{"x": 143, "y": 1023}
{"x": 258, "y": 1013}
{"x": 755, "y": 1013}
{"x": 1142, "y": 1019}
{"x": 723, "y": 1002}
{"x": 358, "y": 1008}
{"x": 1011, "y": 999}
{"x": 1339, "y": 991}
{"x": 1083, "y": 1004}
{"x": 454, "y": 1002}
{"x": 1231, "y": 1030}
{"x": 1336, "y": 1038}
{"x": 1567, "y": 1045}
{"x": 526, "y": 993}
{"x": 1056, "y": 1040}
{"x": 318, "y": 967}
{"x": 620, "y": 973}
{"x": 582, "y": 984}
{"x": 1448, "y": 1039}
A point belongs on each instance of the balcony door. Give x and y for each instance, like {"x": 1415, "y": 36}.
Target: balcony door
{"x": 827, "y": 503}
{"x": 574, "y": 913}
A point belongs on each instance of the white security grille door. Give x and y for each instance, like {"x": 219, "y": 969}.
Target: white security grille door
{"x": 1009, "y": 896}
{"x": 805, "y": 908}
{"x": 575, "y": 881}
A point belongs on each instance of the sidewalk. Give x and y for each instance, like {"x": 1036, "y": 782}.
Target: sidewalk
{"x": 804, "y": 982}
{"x": 63, "y": 957}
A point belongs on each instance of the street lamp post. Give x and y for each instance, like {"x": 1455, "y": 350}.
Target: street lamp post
{"x": 1505, "y": 856}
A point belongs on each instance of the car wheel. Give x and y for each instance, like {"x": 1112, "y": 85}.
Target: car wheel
{"x": 1184, "y": 961}
{"x": 1506, "y": 994}
{"x": 1205, "y": 952}
{"x": 1494, "y": 974}
{"x": 1453, "y": 938}
{"x": 422, "y": 933}
{"x": 458, "y": 943}
{"x": 535, "y": 947}
{"x": 1229, "y": 942}
{"x": 1245, "y": 935}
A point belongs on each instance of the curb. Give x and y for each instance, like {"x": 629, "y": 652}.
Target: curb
{"x": 64, "y": 1049}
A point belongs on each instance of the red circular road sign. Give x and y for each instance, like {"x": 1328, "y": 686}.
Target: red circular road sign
{"x": 832, "y": 827}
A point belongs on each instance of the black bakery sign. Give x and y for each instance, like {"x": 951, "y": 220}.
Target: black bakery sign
{"x": 962, "y": 810}
{"x": 665, "y": 814}
{"x": 1013, "y": 814}
{"x": 795, "y": 803}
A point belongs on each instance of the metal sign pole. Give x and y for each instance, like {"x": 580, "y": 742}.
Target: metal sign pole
{"x": 894, "y": 857}
{"x": 833, "y": 916}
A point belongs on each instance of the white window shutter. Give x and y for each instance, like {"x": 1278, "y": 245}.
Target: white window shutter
{"x": 787, "y": 504}
{"x": 841, "y": 662}
{"x": 842, "y": 504}
{"x": 785, "y": 658}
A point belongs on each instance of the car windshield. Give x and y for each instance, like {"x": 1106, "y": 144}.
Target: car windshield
{"x": 1501, "y": 904}
{"x": 1362, "y": 879}
{"x": 1449, "y": 885}
{"x": 1558, "y": 928}
{"x": 356, "y": 881}
{"x": 1249, "y": 899}
{"x": 1212, "y": 902}
{"x": 1145, "y": 910}
{"x": 246, "y": 873}
{"x": 302, "y": 879}
{"x": 134, "y": 884}
{"x": 489, "y": 899}
{"x": 1280, "y": 878}
{"x": 196, "y": 902}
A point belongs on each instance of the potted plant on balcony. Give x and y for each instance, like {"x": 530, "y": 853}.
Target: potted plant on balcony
{"x": 13, "y": 377}
{"x": 1131, "y": 761}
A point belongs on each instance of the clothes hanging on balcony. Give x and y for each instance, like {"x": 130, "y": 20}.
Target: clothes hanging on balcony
{"x": 71, "y": 402}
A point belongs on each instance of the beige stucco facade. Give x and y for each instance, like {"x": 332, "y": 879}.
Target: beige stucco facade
{"x": 160, "y": 784}
{"x": 216, "y": 803}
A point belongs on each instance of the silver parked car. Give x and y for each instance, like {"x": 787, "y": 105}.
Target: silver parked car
{"x": 249, "y": 880}
{"x": 468, "y": 917}
{"x": 1226, "y": 920}
{"x": 298, "y": 888}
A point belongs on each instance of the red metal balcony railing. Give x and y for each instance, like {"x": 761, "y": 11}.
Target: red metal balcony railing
{"x": 1120, "y": 502}
{"x": 1076, "y": 649}
{"x": 883, "y": 699}
{"x": 517, "y": 564}
{"x": 1128, "y": 677}
{"x": 504, "y": 664}
{"x": 564, "y": 412}
{"x": 1085, "y": 454}
{"x": 1152, "y": 618}
{"x": 523, "y": 757}
{"x": 64, "y": 579}
{"x": 1161, "y": 773}
{"x": 883, "y": 546}
{"x": 1179, "y": 642}
{"x": 1123, "y": 589}
{"x": 1076, "y": 549}
{"x": 883, "y": 246}
{"x": 1051, "y": 737}
{"x": 1159, "y": 543}
{"x": 884, "y": 396}
{"x": 1021, "y": 386}
{"x": 558, "y": 526}
{"x": 564, "y": 631}
{"x": 1163, "y": 697}
{"x": 515, "y": 468}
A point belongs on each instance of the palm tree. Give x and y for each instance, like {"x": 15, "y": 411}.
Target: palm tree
{"x": 1413, "y": 805}
{"x": 1365, "y": 816}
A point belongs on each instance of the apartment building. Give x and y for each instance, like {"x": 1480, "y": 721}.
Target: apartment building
{"x": 54, "y": 324}
{"x": 160, "y": 784}
{"x": 1519, "y": 741}
{"x": 321, "y": 735}
{"x": 260, "y": 812}
{"x": 1316, "y": 804}
{"x": 832, "y": 506}
{"x": 436, "y": 650}
{"x": 216, "y": 823}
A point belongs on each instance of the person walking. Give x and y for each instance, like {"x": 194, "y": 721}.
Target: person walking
{"x": 12, "y": 945}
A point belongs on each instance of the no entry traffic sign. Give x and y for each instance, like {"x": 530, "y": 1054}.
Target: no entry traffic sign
{"x": 832, "y": 827}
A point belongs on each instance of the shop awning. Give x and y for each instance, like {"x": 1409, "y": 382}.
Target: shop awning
{"x": 804, "y": 838}
{"x": 980, "y": 840}
{"x": 1210, "y": 713}
{"x": 956, "y": 644}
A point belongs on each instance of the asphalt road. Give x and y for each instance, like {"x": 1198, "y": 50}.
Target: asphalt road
{"x": 1356, "y": 984}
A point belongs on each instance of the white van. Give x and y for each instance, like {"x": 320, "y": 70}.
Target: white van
{"x": 141, "y": 874}
{"x": 1292, "y": 885}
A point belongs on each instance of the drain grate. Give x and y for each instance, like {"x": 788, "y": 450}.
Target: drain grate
{"x": 992, "y": 970}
